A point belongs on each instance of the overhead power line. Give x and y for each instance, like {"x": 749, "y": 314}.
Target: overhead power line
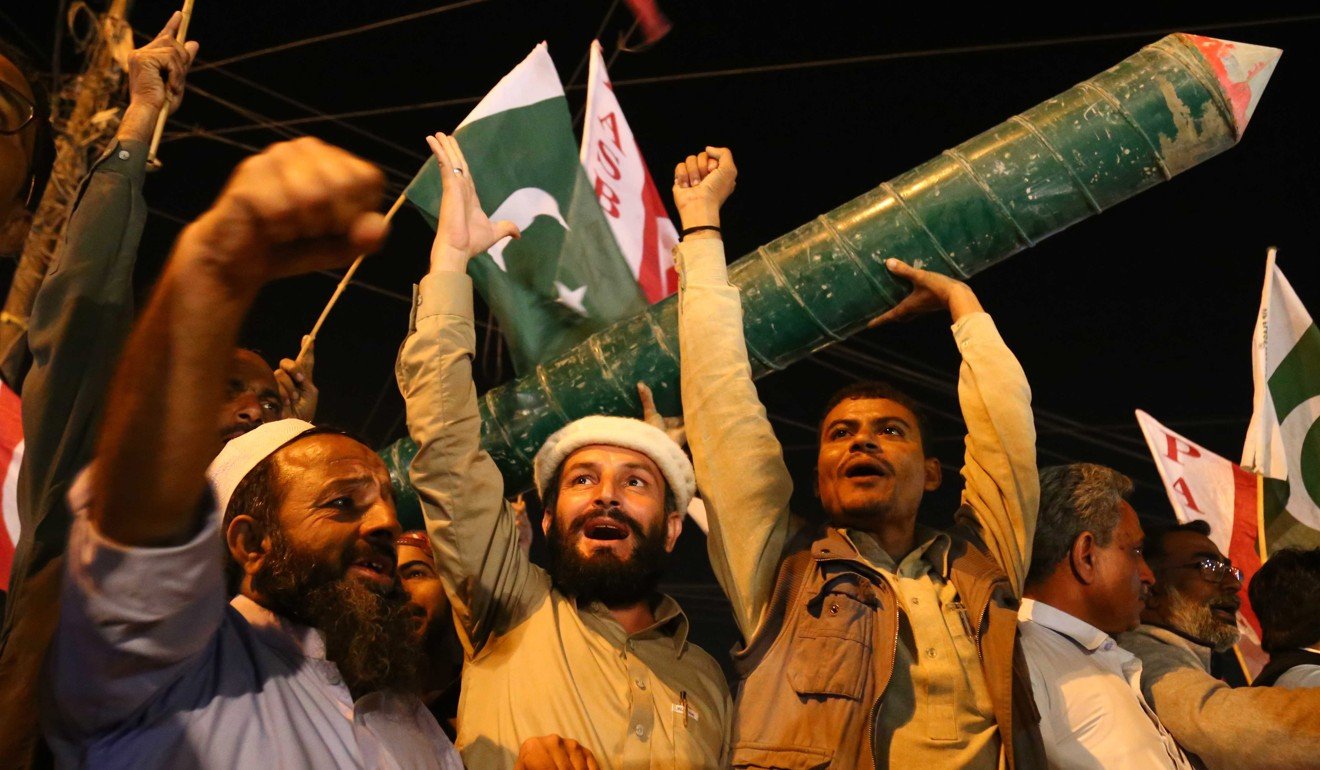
{"x": 810, "y": 64}
{"x": 342, "y": 33}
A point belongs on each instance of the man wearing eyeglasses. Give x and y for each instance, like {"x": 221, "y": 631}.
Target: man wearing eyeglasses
{"x": 80, "y": 317}
{"x": 1192, "y": 610}
{"x": 26, "y": 148}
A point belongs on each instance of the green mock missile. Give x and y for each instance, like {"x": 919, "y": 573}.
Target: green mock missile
{"x": 1159, "y": 112}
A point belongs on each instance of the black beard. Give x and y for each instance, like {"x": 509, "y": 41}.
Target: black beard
{"x": 370, "y": 635}
{"x": 604, "y": 577}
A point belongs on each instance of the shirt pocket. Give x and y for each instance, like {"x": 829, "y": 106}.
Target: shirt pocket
{"x": 754, "y": 756}
{"x": 831, "y": 653}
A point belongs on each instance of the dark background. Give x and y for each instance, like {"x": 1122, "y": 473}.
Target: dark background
{"x": 1149, "y": 306}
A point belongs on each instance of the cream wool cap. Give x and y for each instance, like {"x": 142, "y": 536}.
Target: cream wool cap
{"x": 244, "y": 453}
{"x": 625, "y": 432}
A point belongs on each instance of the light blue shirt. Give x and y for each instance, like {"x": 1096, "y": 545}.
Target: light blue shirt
{"x": 151, "y": 669}
{"x": 1088, "y": 690}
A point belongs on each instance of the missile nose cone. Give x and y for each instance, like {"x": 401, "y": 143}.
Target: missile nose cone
{"x": 1243, "y": 71}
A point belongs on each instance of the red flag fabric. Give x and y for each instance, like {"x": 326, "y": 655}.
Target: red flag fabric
{"x": 627, "y": 194}
{"x": 11, "y": 457}
{"x": 652, "y": 21}
{"x": 1202, "y": 485}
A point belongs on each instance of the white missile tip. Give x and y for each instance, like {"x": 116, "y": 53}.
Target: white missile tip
{"x": 1243, "y": 71}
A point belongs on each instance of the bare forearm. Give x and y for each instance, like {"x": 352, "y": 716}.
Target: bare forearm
{"x": 160, "y": 426}
{"x": 138, "y": 123}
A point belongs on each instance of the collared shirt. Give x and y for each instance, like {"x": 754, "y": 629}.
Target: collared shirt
{"x": 940, "y": 703}
{"x": 936, "y": 710}
{"x": 80, "y": 317}
{"x": 537, "y": 663}
{"x": 151, "y": 669}
{"x": 1303, "y": 676}
{"x": 643, "y": 700}
{"x": 1088, "y": 690}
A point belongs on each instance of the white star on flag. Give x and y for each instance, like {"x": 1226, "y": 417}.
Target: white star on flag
{"x": 572, "y": 298}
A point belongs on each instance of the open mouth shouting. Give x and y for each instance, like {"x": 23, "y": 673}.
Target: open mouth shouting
{"x": 605, "y": 529}
{"x": 863, "y": 468}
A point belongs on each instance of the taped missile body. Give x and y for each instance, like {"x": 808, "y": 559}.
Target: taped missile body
{"x": 1159, "y": 112}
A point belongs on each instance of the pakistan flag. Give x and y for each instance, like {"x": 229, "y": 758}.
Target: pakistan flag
{"x": 566, "y": 278}
{"x": 1283, "y": 441}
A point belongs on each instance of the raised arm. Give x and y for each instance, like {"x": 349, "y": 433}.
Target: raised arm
{"x": 1002, "y": 487}
{"x": 740, "y": 466}
{"x": 294, "y": 208}
{"x": 80, "y": 316}
{"x": 84, "y": 306}
{"x": 489, "y": 579}
{"x": 144, "y": 587}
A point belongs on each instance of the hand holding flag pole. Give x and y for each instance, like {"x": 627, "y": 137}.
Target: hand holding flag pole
{"x": 182, "y": 37}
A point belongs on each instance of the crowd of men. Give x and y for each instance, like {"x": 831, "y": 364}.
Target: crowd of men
{"x": 232, "y": 588}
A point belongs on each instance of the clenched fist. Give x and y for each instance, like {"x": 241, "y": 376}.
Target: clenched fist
{"x": 156, "y": 74}
{"x": 298, "y": 206}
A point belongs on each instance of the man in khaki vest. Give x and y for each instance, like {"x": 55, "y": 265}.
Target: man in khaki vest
{"x": 871, "y": 640}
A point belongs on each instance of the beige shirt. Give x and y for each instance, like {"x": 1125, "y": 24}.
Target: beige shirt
{"x": 537, "y": 663}
{"x": 937, "y": 705}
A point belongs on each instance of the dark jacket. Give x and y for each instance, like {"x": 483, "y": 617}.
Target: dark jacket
{"x": 81, "y": 317}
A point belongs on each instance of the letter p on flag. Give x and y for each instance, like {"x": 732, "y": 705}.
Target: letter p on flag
{"x": 1204, "y": 486}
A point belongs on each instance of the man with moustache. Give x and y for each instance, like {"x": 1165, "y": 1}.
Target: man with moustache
{"x": 1088, "y": 582}
{"x": 1192, "y": 609}
{"x": 588, "y": 649}
{"x": 310, "y": 664}
{"x": 80, "y": 317}
{"x": 442, "y": 653}
{"x": 872, "y": 640}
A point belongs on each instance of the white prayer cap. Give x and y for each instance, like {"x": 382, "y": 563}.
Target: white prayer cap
{"x": 244, "y": 453}
{"x": 626, "y": 432}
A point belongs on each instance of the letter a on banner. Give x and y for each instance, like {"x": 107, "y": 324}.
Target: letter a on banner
{"x": 1204, "y": 486}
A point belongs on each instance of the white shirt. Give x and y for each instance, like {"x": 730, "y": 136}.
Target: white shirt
{"x": 151, "y": 669}
{"x": 1305, "y": 675}
{"x": 1088, "y": 691}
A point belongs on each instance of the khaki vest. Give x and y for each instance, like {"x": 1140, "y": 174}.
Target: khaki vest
{"x": 814, "y": 675}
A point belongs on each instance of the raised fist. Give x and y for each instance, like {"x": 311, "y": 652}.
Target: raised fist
{"x": 298, "y": 206}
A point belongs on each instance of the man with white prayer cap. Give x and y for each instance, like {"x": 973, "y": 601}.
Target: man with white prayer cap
{"x": 589, "y": 648}
{"x": 312, "y": 663}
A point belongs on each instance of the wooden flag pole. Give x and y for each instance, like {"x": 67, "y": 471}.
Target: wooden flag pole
{"x": 182, "y": 37}
{"x": 310, "y": 339}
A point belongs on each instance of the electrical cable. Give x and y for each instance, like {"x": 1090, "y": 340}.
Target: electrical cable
{"x": 343, "y": 33}
{"x": 816, "y": 63}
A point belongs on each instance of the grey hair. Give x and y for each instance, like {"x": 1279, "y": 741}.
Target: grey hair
{"x": 1076, "y": 498}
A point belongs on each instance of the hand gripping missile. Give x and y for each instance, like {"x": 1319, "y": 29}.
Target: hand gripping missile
{"x": 1159, "y": 112}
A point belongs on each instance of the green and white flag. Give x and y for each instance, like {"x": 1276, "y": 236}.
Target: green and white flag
{"x": 566, "y": 278}
{"x": 1283, "y": 440}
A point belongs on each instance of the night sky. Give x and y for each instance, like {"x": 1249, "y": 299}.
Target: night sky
{"x": 1151, "y": 305}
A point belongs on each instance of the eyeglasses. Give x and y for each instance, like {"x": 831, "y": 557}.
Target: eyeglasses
{"x": 16, "y": 110}
{"x": 1214, "y": 570}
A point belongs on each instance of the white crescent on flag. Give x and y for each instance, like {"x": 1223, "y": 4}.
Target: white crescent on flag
{"x": 522, "y": 207}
